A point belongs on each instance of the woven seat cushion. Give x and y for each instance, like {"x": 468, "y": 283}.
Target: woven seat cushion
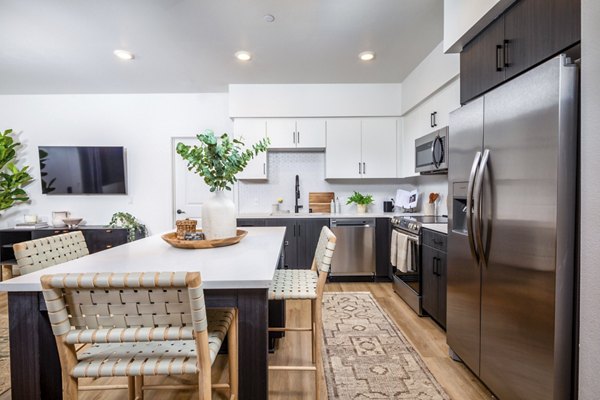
{"x": 289, "y": 284}
{"x": 171, "y": 357}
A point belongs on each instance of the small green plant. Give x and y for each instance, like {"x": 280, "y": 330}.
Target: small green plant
{"x": 219, "y": 159}
{"x": 12, "y": 179}
{"x": 360, "y": 199}
{"x": 126, "y": 220}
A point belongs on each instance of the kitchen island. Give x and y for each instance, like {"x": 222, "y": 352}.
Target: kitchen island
{"x": 235, "y": 276}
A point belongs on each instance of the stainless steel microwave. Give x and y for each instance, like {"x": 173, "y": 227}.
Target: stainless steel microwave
{"x": 431, "y": 153}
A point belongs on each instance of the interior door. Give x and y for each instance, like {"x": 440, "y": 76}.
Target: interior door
{"x": 190, "y": 191}
{"x": 250, "y": 131}
{"x": 343, "y": 154}
{"x": 378, "y": 142}
{"x": 282, "y": 132}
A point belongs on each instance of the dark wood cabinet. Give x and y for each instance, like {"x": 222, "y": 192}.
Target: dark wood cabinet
{"x": 528, "y": 33}
{"x": 434, "y": 278}
{"x": 301, "y": 237}
{"x": 383, "y": 232}
{"x": 482, "y": 63}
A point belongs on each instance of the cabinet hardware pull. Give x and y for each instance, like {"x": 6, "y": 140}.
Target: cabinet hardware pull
{"x": 506, "y": 62}
{"x": 431, "y": 120}
{"x": 264, "y": 168}
{"x": 108, "y": 231}
{"x": 434, "y": 119}
{"x": 298, "y": 136}
{"x": 359, "y": 170}
{"x": 294, "y": 137}
{"x": 108, "y": 246}
{"x": 286, "y": 243}
{"x": 294, "y": 230}
{"x": 499, "y": 61}
{"x": 56, "y": 231}
{"x": 364, "y": 168}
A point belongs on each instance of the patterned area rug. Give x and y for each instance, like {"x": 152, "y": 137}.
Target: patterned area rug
{"x": 4, "y": 358}
{"x": 366, "y": 356}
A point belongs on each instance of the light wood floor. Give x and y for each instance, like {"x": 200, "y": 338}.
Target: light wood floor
{"x": 427, "y": 338}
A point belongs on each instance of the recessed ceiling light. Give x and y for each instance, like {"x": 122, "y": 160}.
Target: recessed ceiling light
{"x": 243, "y": 55}
{"x": 124, "y": 54}
{"x": 367, "y": 55}
{"x": 269, "y": 18}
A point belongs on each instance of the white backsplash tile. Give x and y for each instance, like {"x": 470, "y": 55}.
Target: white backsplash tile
{"x": 257, "y": 197}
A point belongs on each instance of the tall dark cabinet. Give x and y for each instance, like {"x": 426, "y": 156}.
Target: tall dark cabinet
{"x": 528, "y": 33}
{"x": 433, "y": 268}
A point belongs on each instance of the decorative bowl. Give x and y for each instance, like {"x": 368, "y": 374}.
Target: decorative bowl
{"x": 72, "y": 222}
{"x": 171, "y": 238}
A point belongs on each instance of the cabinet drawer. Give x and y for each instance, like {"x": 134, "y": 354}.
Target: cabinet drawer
{"x": 102, "y": 239}
{"x": 241, "y": 222}
{"x": 38, "y": 234}
{"x": 435, "y": 240}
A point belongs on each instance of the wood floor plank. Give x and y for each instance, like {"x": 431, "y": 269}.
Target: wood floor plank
{"x": 428, "y": 339}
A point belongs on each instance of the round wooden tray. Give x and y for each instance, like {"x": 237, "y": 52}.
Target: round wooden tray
{"x": 171, "y": 238}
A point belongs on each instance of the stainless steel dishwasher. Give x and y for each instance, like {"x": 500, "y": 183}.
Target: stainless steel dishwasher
{"x": 354, "y": 253}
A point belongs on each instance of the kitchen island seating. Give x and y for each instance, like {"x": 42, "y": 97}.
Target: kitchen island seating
{"x": 295, "y": 284}
{"x": 138, "y": 324}
{"x": 34, "y": 255}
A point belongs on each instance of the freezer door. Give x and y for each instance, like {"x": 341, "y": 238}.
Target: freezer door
{"x": 528, "y": 129}
{"x": 464, "y": 274}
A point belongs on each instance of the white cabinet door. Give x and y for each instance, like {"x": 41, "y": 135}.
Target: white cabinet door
{"x": 379, "y": 148}
{"x": 400, "y": 148}
{"x": 251, "y": 131}
{"x": 342, "y": 153}
{"x": 310, "y": 133}
{"x": 282, "y": 132}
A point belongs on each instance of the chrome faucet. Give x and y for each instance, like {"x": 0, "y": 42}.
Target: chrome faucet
{"x": 296, "y": 206}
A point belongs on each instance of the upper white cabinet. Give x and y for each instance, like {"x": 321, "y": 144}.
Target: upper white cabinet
{"x": 361, "y": 148}
{"x": 343, "y": 152}
{"x": 250, "y": 131}
{"x": 432, "y": 115}
{"x": 290, "y": 133}
{"x": 379, "y": 147}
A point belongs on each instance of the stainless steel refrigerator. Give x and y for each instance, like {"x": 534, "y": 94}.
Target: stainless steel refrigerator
{"x": 512, "y": 208}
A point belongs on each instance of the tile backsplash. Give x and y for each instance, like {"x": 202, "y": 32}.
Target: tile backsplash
{"x": 257, "y": 197}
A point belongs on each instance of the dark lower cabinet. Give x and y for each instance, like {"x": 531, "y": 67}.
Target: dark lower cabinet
{"x": 383, "y": 232}
{"x": 528, "y": 33}
{"x": 433, "y": 268}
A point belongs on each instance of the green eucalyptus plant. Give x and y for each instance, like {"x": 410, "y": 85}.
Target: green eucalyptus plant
{"x": 12, "y": 179}
{"x": 360, "y": 199}
{"x": 219, "y": 159}
{"x": 126, "y": 220}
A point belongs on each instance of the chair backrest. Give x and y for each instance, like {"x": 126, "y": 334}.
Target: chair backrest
{"x": 37, "y": 254}
{"x": 324, "y": 250}
{"x": 125, "y": 307}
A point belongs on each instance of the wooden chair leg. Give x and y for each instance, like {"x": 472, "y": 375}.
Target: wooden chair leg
{"x": 313, "y": 324}
{"x": 232, "y": 344}
{"x": 317, "y": 346}
{"x": 204, "y": 375}
{"x": 131, "y": 387}
{"x": 139, "y": 384}
{"x": 70, "y": 387}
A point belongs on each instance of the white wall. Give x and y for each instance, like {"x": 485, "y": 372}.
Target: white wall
{"x": 464, "y": 19}
{"x": 316, "y": 100}
{"x": 143, "y": 124}
{"x": 432, "y": 73}
{"x": 589, "y": 384}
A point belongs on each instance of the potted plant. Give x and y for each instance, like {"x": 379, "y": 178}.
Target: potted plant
{"x": 218, "y": 160}
{"x": 361, "y": 201}
{"x": 135, "y": 229}
{"x": 12, "y": 179}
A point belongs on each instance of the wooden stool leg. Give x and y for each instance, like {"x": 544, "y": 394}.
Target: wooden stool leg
{"x": 131, "y": 388}
{"x": 232, "y": 344}
{"x": 139, "y": 384}
{"x": 70, "y": 387}
{"x": 313, "y": 324}
{"x": 317, "y": 346}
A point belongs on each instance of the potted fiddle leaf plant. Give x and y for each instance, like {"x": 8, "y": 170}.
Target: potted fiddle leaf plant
{"x": 218, "y": 159}
{"x": 12, "y": 178}
{"x": 361, "y": 201}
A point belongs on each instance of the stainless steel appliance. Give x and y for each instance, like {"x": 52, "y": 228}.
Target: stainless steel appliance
{"x": 408, "y": 284}
{"x": 355, "y": 247}
{"x": 431, "y": 152}
{"x": 512, "y": 189}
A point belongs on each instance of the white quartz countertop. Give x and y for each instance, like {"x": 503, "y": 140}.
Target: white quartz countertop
{"x": 249, "y": 264}
{"x": 442, "y": 228}
{"x": 325, "y": 215}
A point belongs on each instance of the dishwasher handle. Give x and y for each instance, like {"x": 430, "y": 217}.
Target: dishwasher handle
{"x": 353, "y": 223}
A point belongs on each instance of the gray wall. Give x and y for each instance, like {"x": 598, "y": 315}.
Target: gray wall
{"x": 589, "y": 371}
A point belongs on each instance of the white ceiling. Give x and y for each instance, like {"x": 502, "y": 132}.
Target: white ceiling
{"x": 66, "y": 46}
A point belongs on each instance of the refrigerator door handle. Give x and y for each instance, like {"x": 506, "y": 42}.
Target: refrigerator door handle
{"x": 478, "y": 197}
{"x": 470, "y": 235}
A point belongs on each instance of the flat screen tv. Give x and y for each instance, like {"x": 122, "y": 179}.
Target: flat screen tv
{"x": 82, "y": 170}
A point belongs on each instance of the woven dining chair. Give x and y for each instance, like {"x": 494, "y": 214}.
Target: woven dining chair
{"x": 303, "y": 284}
{"x": 136, "y": 325}
{"x": 38, "y": 254}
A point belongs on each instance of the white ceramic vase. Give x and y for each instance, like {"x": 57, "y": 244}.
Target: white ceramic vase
{"x": 218, "y": 217}
{"x": 361, "y": 208}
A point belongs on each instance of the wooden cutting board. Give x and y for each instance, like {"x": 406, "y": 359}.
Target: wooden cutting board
{"x": 320, "y": 201}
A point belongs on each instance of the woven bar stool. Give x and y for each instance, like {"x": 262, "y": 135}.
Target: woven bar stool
{"x": 136, "y": 325}
{"x": 38, "y": 254}
{"x": 300, "y": 284}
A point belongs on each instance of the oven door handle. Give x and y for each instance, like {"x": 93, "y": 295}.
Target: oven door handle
{"x": 470, "y": 187}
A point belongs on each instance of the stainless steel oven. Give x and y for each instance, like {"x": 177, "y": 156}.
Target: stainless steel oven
{"x": 431, "y": 153}
{"x": 407, "y": 280}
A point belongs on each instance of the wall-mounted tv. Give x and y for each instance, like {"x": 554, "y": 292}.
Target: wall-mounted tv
{"x": 82, "y": 170}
